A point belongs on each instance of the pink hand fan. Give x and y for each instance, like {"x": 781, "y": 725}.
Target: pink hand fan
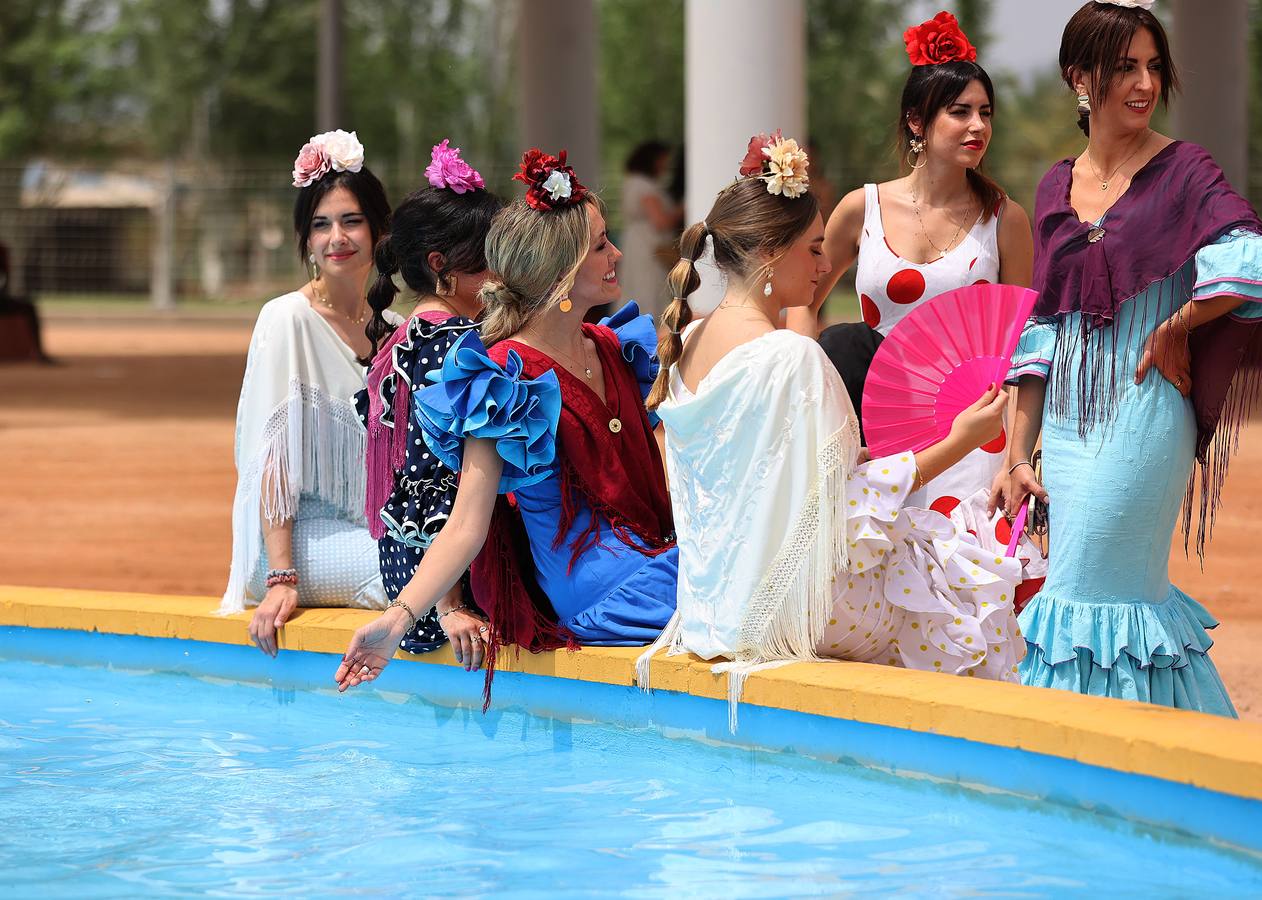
{"x": 939, "y": 360}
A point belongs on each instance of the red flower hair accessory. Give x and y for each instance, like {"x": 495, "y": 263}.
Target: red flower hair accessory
{"x": 550, "y": 183}
{"x": 938, "y": 41}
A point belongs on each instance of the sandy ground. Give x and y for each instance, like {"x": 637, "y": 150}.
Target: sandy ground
{"x": 117, "y": 475}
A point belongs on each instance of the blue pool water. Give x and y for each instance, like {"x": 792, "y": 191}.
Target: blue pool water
{"x": 116, "y": 783}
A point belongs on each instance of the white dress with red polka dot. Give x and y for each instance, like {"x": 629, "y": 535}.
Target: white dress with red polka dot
{"x": 890, "y": 287}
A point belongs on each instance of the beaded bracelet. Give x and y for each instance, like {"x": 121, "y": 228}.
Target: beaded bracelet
{"x": 403, "y": 606}
{"x": 281, "y": 576}
{"x": 452, "y": 610}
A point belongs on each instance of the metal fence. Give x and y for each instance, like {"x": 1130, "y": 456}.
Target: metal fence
{"x": 172, "y": 233}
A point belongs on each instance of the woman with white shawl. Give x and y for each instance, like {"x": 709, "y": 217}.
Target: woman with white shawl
{"x": 299, "y": 535}
{"x": 790, "y": 546}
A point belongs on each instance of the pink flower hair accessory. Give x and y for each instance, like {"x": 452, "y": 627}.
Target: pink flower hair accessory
{"x": 447, "y": 170}
{"x": 332, "y": 151}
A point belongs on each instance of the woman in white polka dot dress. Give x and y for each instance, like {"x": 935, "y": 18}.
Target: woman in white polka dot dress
{"x": 943, "y": 226}
{"x": 790, "y": 546}
{"x": 434, "y": 258}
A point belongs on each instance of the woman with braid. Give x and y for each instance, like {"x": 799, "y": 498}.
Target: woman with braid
{"x": 434, "y": 258}
{"x": 550, "y": 411}
{"x": 790, "y": 546}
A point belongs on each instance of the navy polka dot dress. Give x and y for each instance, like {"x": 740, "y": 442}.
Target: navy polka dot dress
{"x": 425, "y": 489}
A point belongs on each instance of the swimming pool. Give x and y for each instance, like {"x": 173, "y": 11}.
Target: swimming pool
{"x": 233, "y": 777}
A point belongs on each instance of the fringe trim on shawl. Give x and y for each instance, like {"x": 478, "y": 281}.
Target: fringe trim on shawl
{"x": 312, "y": 444}
{"x": 787, "y": 614}
{"x": 1244, "y": 398}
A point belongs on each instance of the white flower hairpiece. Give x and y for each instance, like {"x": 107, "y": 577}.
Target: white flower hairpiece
{"x": 778, "y": 162}
{"x": 339, "y": 151}
{"x": 1129, "y": 4}
{"x": 558, "y": 185}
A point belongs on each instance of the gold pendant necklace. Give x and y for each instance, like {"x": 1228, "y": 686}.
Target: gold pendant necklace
{"x": 319, "y": 295}
{"x": 915, "y": 205}
{"x": 1104, "y": 182}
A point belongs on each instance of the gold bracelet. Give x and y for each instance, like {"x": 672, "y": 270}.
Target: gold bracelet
{"x": 403, "y": 606}
{"x": 452, "y": 610}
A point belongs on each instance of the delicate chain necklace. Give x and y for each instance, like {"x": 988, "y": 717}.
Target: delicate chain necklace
{"x": 915, "y": 205}
{"x": 1104, "y": 182}
{"x": 569, "y": 360}
{"x": 319, "y": 295}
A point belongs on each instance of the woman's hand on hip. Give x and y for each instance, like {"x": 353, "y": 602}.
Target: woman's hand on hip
{"x": 1167, "y": 350}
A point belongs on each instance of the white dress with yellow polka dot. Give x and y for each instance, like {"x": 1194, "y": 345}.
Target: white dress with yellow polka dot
{"x": 789, "y": 549}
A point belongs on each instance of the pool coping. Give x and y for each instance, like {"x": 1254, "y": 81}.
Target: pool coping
{"x": 1195, "y": 749}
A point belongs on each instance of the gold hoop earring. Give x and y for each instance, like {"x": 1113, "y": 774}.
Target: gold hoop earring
{"x": 565, "y": 305}
{"x": 916, "y": 146}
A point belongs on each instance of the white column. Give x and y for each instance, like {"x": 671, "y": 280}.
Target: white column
{"x": 1210, "y": 44}
{"x": 557, "y": 43}
{"x": 745, "y": 68}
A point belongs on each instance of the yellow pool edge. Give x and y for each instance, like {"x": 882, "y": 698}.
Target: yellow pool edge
{"x": 1184, "y": 747}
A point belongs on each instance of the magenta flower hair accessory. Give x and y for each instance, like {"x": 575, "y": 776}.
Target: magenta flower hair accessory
{"x": 447, "y": 170}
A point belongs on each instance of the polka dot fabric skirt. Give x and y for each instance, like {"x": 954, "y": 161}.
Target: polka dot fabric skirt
{"x": 918, "y": 592}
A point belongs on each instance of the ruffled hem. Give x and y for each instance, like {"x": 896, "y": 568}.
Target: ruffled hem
{"x": 476, "y": 397}
{"x": 1146, "y": 635}
{"x": 921, "y": 592}
{"x": 1148, "y": 652}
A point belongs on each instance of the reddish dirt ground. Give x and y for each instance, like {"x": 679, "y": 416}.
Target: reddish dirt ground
{"x": 118, "y": 475}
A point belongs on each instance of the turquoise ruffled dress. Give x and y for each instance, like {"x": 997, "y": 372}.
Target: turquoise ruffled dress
{"x": 613, "y": 594}
{"x": 1108, "y": 622}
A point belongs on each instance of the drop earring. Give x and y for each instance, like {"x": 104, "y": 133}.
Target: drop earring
{"x": 916, "y": 146}
{"x": 1084, "y": 103}
{"x": 565, "y": 305}
{"x": 766, "y": 288}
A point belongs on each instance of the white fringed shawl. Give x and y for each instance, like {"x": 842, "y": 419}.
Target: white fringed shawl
{"x": 297, "y": 430}
{"x": 758, "y": 461}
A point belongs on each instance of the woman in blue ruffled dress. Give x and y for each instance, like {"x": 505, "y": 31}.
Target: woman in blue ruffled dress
{"x": 562, "y": 506}
{"x": 1149, "y": 268}
{"x": 433, "y": 257}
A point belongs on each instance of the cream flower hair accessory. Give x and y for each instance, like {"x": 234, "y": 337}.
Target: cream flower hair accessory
{"x": 778, "y": 162}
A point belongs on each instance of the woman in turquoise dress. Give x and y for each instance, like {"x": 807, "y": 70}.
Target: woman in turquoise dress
{"x": 562, "y": 506}
{"x": 1129, "y": 367}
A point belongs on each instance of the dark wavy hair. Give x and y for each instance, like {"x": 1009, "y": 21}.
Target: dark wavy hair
{"x": 643, "y": 159}
{"x": 428, "y": 220}
{"x": 1095, "y": 39}
{"x": 931, "y": 89}
{"x": 367, "y": 190}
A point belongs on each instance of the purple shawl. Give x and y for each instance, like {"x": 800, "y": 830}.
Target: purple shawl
{"x": 1178, "y": 203}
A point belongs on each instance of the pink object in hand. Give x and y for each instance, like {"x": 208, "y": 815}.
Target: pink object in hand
{"x": 940, "y": 359}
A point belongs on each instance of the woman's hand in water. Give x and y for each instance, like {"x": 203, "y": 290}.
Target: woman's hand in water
{"x": 371, "y": 649}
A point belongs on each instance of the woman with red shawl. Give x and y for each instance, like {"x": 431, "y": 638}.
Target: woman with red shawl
{"x": 562, "y": 506}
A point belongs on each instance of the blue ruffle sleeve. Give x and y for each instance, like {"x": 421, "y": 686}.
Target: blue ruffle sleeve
{"x": 1033, "y": 355}
{"x": 473, "y": 396}
{"x": 638, "y": 336}
{"x": 1232, "y": 266}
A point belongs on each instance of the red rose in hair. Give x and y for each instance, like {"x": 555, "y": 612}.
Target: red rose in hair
{"x": 937, "y": 41}
{"x": 550, "y": 183}
{"x": 755, "y": 159}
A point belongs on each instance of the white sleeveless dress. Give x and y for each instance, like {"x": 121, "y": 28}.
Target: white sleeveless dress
{"x": 889, "y": 288}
